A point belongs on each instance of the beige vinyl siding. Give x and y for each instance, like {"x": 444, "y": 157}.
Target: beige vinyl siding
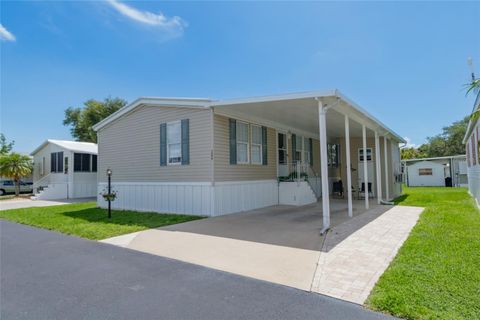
{"x": 224, "y": 171}
{"x": 130, "y": 146}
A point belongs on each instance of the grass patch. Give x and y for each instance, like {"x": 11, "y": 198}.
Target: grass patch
{"x": 436, "y": 273}
{"x": 87, "y": 221}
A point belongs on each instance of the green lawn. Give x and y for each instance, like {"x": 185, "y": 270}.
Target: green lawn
{"x": 87, "y": 221}
{"x": 436, "y": 273}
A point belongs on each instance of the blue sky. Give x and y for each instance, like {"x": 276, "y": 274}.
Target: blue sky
{"x": 403, "y": 61}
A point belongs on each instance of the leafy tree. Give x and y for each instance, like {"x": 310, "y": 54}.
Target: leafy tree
{"x": 81, "y": 120}
{"x": 5, "y": 147}
{"x": 412, "y": 153}
{"x": 15, "y": 166}
{"x": 447, "y": 143}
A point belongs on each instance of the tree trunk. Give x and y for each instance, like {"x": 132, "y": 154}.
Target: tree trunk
{"x": 17, "y": 187}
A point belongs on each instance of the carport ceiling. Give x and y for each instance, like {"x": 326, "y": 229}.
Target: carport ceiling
{"x": 298, "y": 114}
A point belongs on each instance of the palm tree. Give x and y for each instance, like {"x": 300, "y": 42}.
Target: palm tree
{"x": 473, "y": 86}
{"x": 15, "y": 166}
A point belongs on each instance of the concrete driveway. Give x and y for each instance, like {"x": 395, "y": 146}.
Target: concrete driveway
{"x": 28, "y": 203}
{"x": 47, "y": 275}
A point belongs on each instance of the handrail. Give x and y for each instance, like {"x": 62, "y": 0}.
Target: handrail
{"x": 303, "y": 171}
{"x": 37, "y": 183}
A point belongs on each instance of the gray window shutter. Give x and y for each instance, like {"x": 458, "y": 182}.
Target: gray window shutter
{"x": 264, "y": 146}
{"x": 311, "y": 151}
{"x": 294, "y": 147}
{"x": 185, "y": 142}
{"x": 233, "y": 141}
{"x": 163, "y": 144}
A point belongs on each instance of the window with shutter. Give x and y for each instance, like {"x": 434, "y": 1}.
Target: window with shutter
{"x": 257, "y": 154}
{"x": 242, "y": 143}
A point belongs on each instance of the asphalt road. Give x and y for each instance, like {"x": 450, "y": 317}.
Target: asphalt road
{"x": 47, "y": 275}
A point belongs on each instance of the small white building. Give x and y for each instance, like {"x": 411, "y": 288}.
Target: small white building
{"x": 435, "y": 172}
{"x": 64, "y": 169}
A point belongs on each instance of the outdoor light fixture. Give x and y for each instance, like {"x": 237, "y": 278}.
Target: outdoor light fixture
{"x": 109, "y": 175}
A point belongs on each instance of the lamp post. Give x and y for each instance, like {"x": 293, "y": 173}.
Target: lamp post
{"x": 109, "y": 175}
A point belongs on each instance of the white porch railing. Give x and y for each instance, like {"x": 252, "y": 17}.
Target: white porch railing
{"x": 302, "y": 171}
{"x": 43, "y": 181}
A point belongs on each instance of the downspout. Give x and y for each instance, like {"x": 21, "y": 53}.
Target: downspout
{"x": 212, "y": 162}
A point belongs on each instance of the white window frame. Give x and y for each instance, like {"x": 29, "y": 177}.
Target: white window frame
{"x": 365, "y": 157}
{"x": 243, "y": 142}
{"x": 256, "y": 144}
{"x": 168, "y": 144}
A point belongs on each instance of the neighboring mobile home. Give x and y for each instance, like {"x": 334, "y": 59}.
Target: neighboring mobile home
{"x": 450, "y": 171}
{"x": 472, "y": 146}
{"x": 213, "y": 157}
{"x": 64, "y": 169}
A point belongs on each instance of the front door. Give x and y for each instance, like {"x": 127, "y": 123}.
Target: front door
{"x": 370, "y": 169}
{"x": 282, "y": 155}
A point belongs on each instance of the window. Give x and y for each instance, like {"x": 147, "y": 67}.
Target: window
{"x": 425, "y": 172}
{"x": 298, "y": 148}
{"x": 56, "y": 162}
{"x": 256, "y": 144}
{"x": 81, "y": 162}
{"x": 8, "y": 183}
{"x": 369, "y": 154}
{"x": 333, "y": 155}
{"x": 174, "y": 142}
{"x": 53, "y": 162}
{"x": 65, "y": 165}
{"x": 242, "y": 142}
{"x": 282, "y": 148}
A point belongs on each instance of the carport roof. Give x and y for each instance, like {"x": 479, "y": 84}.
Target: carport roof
{"x": 298, "y": 109}
{"x": 76, "y": 146}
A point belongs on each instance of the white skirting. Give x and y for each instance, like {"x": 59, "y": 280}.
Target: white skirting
{"x": 197, "y": 198}
{"x": 296, "y": 193}
{"x": 244, "y": 195}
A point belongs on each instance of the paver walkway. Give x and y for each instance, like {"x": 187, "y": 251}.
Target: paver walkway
{"x": 349, "y": 270}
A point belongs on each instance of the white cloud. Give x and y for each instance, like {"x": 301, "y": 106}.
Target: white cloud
{"x": 6, "y": 35}
{"x": 409, "y": 143}
{"x": 148, "y": 18}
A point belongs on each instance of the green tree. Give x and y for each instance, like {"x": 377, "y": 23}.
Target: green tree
{"x": 412, "y": 153}
{"x": 15, "y": 166}
{"x": 447, "y": 143}
{"x": 5, "y": 147}
{"x": 81, "y": 120}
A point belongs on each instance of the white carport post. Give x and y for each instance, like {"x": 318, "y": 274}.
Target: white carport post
{"x": 322, "y": 127}
{"x": 387, "y": 195}
{"x": 348, "y": 166}
{"x": 378, "y": 169}
{"x": 365, "y": 167}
